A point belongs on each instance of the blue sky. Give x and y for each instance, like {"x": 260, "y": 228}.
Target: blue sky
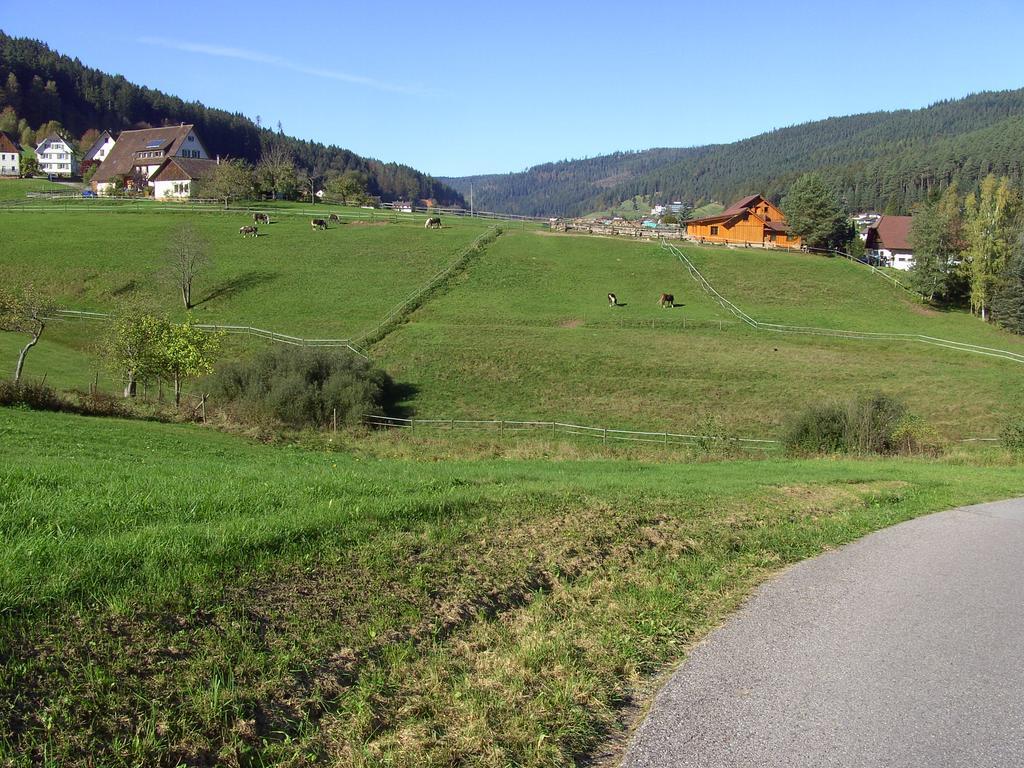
{"x": 463, "y": 87}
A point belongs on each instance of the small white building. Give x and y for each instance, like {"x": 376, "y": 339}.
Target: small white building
{"x": 56, "y": 158}
{"x": 888, "y": 240}
{"x": 100, "y": 148}
{"x": 175, "y": 179}
{"x": 10, "y": 156}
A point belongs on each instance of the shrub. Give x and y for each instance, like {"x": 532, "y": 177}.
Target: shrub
{"x": 877, "y": 423}
{"x": 819, "y": 429}
{"x": 1011, "y": 436}
{"x": 303, "y": 388}
{"x": 34, "y": 395}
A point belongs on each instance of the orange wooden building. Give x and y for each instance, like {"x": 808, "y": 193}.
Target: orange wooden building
{"x": 751, "y": 220}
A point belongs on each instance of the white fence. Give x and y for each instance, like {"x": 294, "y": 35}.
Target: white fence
{"x": 960, "y": 346}
{"x": 604, "y": 434}
{"x": 247, "y": 330}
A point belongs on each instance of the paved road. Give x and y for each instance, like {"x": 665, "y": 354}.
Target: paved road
{"x": 905, "y": 648}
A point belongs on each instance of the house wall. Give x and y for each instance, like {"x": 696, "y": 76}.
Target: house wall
{"x": 103, "y": 150}
{"x": 172, "y": 189}
{"x": 748, "y": 230}
{"x": 896, "y": 258}
{"x": 57, "y": 159}
{"x": 10, "y": 164}
{"x": 192, "y": 147}
{"x": 103, "y": 188}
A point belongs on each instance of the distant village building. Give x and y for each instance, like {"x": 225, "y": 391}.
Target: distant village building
{"x": 888, "y": 240}
{"x": 752, "y": 220}
{"x": 56, "y": 158}
{"x": 137, "y": 156}
{"x": 677, "y": 206}
{"x": 10, "y": 156}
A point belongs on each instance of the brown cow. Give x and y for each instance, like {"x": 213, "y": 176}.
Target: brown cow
{"x": 318, "y": 224}
{"x": 261, "y": 218}
{"x": 246, "y": 231}
{"x": 334, "y": 217}
{"x": 666, "y": 300}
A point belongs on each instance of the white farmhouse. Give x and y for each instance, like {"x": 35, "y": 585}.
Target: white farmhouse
{"x": 137, "y": 156}
{"x": 56, "y": 158}
{"x": 175, "y": 177}
{"x": 100, "y": 148}
{"x": 889, "y": 241}
{"x": 10, "y": 156}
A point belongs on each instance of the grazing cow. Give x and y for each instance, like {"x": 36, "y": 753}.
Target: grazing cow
{"x": 666, "y": 300}
{"x": 261, "y": 218}
{"x": 318, "y": 224}
{"x": 246, "y": 231}
{"x": 613, "y": 300}
{"x": 434, "y": 222}
{"x": 334, "y": 217}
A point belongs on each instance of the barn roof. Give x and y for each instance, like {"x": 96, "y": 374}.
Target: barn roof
{"x": 121, "y": 159}
{"x": 736, "y": 209}
{"x": 185, "y": 169}
{"x": 8, "y": 144}
{"x": 890, "y": 232}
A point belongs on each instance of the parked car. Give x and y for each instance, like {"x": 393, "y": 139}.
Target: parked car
{"x": 88, "y": 193}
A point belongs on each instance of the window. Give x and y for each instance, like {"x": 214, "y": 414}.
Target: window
{"x": 714, "y": 230}
{"x": 191, "y": 137}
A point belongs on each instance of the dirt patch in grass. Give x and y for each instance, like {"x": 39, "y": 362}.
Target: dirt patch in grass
{"x": 571, "y": 323}
{"x": 922, "y": 309}
{"x": 362, "y": 223}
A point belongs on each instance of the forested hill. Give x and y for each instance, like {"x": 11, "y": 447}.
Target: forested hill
{"x": 885, "y": 161}
{"x": 49, "y": 86}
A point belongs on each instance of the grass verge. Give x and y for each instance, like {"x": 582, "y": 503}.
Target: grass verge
{"x": 171, "y": 595}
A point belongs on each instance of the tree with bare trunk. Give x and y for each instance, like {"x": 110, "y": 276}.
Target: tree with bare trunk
{"x": 25, "y": 310}
{"x": 276, "y": 172}
{"x": 186, "y": 257}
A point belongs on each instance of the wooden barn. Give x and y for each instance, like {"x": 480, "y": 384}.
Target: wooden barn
{"x": 752, "y": 220}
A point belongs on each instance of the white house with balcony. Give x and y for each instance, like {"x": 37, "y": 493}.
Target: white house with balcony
{"x": 10, "y": 156}
{"x": 56, "y": 158}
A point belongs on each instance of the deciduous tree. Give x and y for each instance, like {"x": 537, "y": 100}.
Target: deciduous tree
{"x": 349, "y": 187}
{"x": 185, "y": 259}
{"x": 230, "y": 180}
{"x": 991, "y": 227}
{"x": 187, "y": 351}
{"x": 132, "y": 347}
{"x": 25, "y": 310}
{"x": 276, "y": 172}
{"x": 937, "y": 240}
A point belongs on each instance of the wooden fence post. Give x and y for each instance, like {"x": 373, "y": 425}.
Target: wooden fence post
{"x": 203, "y": 404}
{"x": 334, "y": 420}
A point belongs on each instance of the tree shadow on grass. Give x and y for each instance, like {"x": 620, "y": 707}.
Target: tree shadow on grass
{"x": 398, "y": 399}
{"x": 236, "y": 285}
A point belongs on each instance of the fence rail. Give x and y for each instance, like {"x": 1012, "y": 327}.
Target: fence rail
{"x": 960, "y": 346}
{"x": 248, "y": 330}
{"x": 604, "y": 434}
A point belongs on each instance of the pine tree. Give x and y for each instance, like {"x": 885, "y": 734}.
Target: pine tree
{"x": 814, "y": 214}
{"x": 935, "y": 235}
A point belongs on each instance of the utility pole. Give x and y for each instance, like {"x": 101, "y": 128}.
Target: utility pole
{"x": 471, "y": 199}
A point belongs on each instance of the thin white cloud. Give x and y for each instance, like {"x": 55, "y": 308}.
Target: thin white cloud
{"x": 275, "y": 61}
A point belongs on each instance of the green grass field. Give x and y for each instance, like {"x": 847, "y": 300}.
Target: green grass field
{"x": 17, "y": 189}
{"x": 526, "y": 333}
{"x": 172, "y": 595}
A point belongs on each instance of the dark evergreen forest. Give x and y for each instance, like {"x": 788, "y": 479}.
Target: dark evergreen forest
{"x": 884, "y": 161}
{"x": 42, "y": 85}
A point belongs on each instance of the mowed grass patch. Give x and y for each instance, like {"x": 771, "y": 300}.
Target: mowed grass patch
{"x": 681, "y": 380}
{"x": 18, "y": 189}
{"x": 172, "y": 595}
{"x": 291, "y": 279}
{"x": 528, "y": 334}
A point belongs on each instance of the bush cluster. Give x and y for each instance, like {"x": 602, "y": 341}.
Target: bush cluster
{"x": 876, "y": 423}
{"x": 1012, "y": 434}
{"x": 302, "y": 388}
{"x": 39, "y": 397}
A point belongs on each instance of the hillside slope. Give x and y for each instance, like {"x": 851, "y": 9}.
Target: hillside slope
{"x": 81, "y": 97}
{"x": 879, "y": 160}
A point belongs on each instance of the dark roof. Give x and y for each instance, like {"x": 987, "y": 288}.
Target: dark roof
{"x": 777, "y": 226}
{"x": 185, "y": 169}
{"x": 741, "y": 205}
{"x": 121, "y": 159}
{"x": 96, "y": 145}
{"x": 891, "y": 233}
{"x": 737, "y": 208}
{"x": 8, "y": 144}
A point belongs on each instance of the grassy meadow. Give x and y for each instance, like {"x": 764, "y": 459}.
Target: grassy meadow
{"x": 172, "y": 595}
{"x": 18, "y": 189}
{"x": 526, "y": 332}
